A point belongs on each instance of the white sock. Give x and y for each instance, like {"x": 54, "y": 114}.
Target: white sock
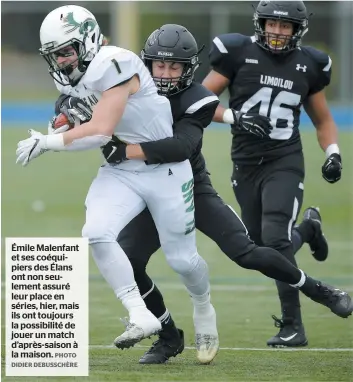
{"x": 204, "y": 316}
{"x": 202, "y": 304}
{"x": 116, "y": 268}
{"x": 301, "y": 281}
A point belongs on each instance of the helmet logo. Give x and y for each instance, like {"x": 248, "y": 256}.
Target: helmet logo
{"x": 153, "y": 38}
{"x": 84, "y": 27}
{"x": 168, "y": 54}
{"x": 281, "y": 13}
{"x": 48, "y": 45}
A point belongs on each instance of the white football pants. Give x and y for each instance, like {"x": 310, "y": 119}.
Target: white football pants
{"x": 116, "y": 196}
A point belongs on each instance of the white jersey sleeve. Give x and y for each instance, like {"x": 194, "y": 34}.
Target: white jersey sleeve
{"x": 63, "y": 89}
{"x": 116, "y": 67}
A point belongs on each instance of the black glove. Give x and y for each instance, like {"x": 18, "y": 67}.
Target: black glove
{"x": 75, "y": 107}
{"x": 114, "y": 151}
{"x": 256, "y": 124}
{"x": 332, "y": 168}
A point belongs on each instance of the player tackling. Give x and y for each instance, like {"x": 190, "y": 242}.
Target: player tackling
{"x": 126, "y": 106}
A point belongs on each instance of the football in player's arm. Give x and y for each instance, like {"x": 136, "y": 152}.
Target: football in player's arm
{"x": 126, "y": 104}
{"x": 99, "y": 129}
{"x": 193, "y": 107}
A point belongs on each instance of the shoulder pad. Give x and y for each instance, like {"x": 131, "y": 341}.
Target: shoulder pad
{"x": 226, "y": 43}
{"x": 111, "y": 66}
{"x": 323, "y": 64}
{"x": 191, "y": 100}
{"x": 225, "y": 51}
{"x": 321, "y": 58}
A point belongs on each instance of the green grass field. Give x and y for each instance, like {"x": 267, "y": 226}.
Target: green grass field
{"x": 243, "y": 299}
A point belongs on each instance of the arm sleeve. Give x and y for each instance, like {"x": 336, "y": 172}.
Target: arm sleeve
{"x": 88, "y": 143}
{"x": 188, "y": 133}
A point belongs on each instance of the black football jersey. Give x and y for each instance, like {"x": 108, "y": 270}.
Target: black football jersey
{"x": 270, "y": 84}
{"x": 195, "y": 102}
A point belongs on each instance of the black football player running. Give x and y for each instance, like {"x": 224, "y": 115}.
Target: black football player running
{"x": 272, "y": 74}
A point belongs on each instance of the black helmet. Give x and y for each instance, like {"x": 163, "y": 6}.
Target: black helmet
{"x": 291, "y": 11}
{"x": 175, "y": 43}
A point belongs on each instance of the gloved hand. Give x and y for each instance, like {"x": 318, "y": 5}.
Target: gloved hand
{"x": 114, "y": 151}
{"x": 51, "y": 129}
{"x": 31, "y": 148}
{"x": 332, "y": 168}
{"x": 74, "y": 107}
{"x": 255, "y": 124}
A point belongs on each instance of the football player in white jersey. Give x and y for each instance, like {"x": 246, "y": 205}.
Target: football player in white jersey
{"x": 127, "y": 106}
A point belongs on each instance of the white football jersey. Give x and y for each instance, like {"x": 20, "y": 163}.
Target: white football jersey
{"x": 147, "y": 116}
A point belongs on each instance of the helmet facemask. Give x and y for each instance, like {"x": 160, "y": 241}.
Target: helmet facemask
{"x": 71, "y": 72}
{"x": 172, "y": 43}
{"x": 278, "y": 43}
{"x": 171, "y": 86}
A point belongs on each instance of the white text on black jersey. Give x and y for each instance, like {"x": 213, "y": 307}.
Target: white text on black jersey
{"x": 276, "y": 81}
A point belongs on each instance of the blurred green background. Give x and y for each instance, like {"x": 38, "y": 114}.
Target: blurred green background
{"x": 129, "y": 23}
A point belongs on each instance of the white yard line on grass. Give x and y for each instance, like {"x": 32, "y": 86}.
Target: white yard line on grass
{"x": 334, "y": 350}
{"x": 227, "y": 287}
{"x": 239, "y": 287}
{"x": 323, "y": 350}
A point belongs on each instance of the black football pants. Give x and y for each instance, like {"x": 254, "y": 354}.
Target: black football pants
{"x": 270, "y": 196}
{"x": 139, "y": 240}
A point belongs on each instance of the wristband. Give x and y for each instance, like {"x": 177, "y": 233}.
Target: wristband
{"x": 228, "y": 116}
{"x": 332, "y": 149}
{"x": 55, "y": 142}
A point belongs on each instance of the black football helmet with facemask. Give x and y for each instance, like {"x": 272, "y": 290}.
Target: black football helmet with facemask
{"x": 173, "y": 43}
{"x": 290, "y": 11}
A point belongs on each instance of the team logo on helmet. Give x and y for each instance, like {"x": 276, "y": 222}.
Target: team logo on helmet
{"x": 84, "y": 27}
{"x": 153, "y": 37}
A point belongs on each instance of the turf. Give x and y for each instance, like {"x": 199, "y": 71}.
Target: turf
{"x": 243, "y": 299}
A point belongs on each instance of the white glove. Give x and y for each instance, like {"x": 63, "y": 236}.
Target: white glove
{"x": 31, "y": 148}
{"x": 51, "y": 129}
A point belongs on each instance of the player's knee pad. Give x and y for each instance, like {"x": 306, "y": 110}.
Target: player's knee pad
{"x": 249, "y": 260}
{"x": 235, "y": 244}
{"x": 275, "y": 235}
{"x": 183, "y": 264}
{"x": 259, "y": 258}
{"x": 98, "y": 233}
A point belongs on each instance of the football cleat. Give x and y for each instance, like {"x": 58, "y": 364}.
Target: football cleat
{"x": 318, "y": 244}
{"x": 291, "y": 334}
{"x": 168, "y": 345}
{"x": 141, "y": 326}
{"x": 206, "y": 336}
{"x": 338, "y": 301}
{"x": 207, "y": 347}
